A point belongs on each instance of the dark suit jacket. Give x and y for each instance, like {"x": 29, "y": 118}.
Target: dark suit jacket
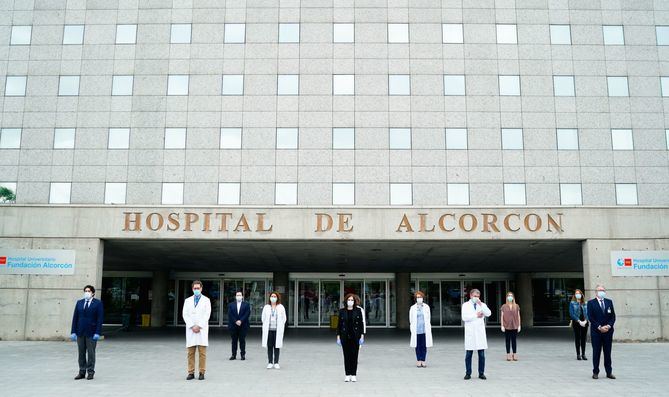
{"x": 598, "y": 317}
{"x": 358, "y": 324}
{"x": 87, "y": 322}
{"x": 243, "y": 315}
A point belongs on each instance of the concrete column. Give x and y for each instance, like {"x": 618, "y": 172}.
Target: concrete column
{"x": 524, "y": 297}
{"x": 402, "y": 299}
{"x": 280, "y": 285}
{"x": 159, "y": 298}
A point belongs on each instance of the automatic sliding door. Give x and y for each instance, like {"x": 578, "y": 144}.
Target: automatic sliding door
{"x": 431, "y": 291}
{"x": 254, "y": 291}
{"x": 375, "y": 302}
{"x": 307, "y": 303}
{"x": 330, "y": 301}
{"x": 451, "y": 301}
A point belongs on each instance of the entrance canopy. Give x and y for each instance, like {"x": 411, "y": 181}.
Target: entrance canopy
{"x": 343, "y": 256}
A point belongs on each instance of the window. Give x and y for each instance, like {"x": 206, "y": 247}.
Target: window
{"x": 343, "y": 194}
{"x": 456, "y": 138}
{"x": 63, "y": 138}
{"x": 664, "y": 84}
{"x": 613, "y": 35}
{"x": 10, "y": 138}
{"x": 285, "y": 194}
{"x": 458, "y": 193}
{"x": 514, "y": 194}
{"x": 115, "y": 193}
{"x": 73, "y": 34}
{"x": 451, "y": 33}
{"x": 233, "y": 84}
{"x": 173, "y": 193}
{"x": 454, "y": 84}
{"x": 509, "y": 85}
{"x": 343, "y": 33}
{"x": 177, "y": 84}
{"x": 288, "y": 84}
{"x": 506, "y": 34}
{"x": 618, "y": 86}
{"x": 289, "y": 33}
{"x": 512, "y": 138}
{"x": 122, "y": 85}
{"x": 398, "y": 33}
{"x": 401, "y": 194}
{"x": 626, "y": 194}
{"x": 662, "y": 34}
{"x": 570, "y": 194}
{"x": 126, "y": 34}
{"x": 231, "y": 138}
{"x": 59, "y": 192}
{"x": 21, "y": 35}
{"x": 15, "y": 85}
{"x": 235, "y": 33}
{"x": 560, "y": 34}
{"x": 119, "y": 138}
{"x": 563, "y": 86}
{"x": 343, "y": 138}
{"x": 175, "y": 138}
{"x": 68, "y": 86}
{"x": 622, "y": 140}
{"x": 12, "y": 187}
{"x": 399, "y": 84}
{"x": 286, "y": 138}
{"x": 343, "y": 84}
{"x": 400, "y": 138}
{"x": 567, "y": 139}
{"x": 180, "y": 33}
{"x": 228, "y": 193}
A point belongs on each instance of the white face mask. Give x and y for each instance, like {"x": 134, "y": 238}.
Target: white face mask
{"x": 578, "y": 296}
{"x": 419, "y": 301}
{"x": 350, "y": 303}
{"x": 87, "y": 295}
{"x": 272, "y": 299}
{"x": 239, "y": 298}
{"x": 475, "y": 299}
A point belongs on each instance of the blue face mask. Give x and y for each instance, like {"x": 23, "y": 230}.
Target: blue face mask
{"x": 578, "y": 296}
{"x": 601, "y": 294}
{"x": 197, "y": 292}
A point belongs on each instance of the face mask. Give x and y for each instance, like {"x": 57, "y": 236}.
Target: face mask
{"x": 419, "y": 301}
{"x": 350, "y": 303}
{"x": 197, "y": 292}
{"x": 578, "y": 296}
{"x": 239, "y": 298}
{"x": 475, "y": 300}
{"x": 601, "y": 294}
{"x": 509, "y": 298}
{"x": 87, "y": 295}
{"x": 273, "y": 299}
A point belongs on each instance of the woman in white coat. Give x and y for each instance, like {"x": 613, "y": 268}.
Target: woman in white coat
{"x": 273, "y": 324}
{"x": 421, "y": 328}
{"x": 474, "y": 313}
{"x": 196, "y": 312}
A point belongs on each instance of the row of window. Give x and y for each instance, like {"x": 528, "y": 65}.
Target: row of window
{"x": 342, "y": 193}
{"x": 342, "y": 84}
{"x": 235, "y": 33}
{"x": 342, "y": 138}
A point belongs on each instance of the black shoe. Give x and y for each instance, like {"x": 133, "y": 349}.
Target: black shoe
{"x": 610, "y": 376}
{"x": 243, "y": 358}
{"x": 595, "y": 376}
{"x": 468, "y": 377}
{"x": 90, "y": 376}
{"x": 579, "y": 358}
{"x": 232, "y": 358}
{"x": 583, "y": 358}
{"x": 80, "y": 375}
{"x": 190, "y": 377}
{"x": 482, "y": 377}
{"x": 201, "y": 377}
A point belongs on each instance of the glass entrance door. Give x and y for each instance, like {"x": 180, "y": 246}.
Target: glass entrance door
{"x": 330, "y": 300}
{"x": 494, "y": 295}
{"x": 307, "y": 303}
{"x": 375, "y": 302}
{"x": 451, "y": 303}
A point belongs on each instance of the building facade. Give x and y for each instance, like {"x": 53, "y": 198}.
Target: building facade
{"x": 322, "y": 147}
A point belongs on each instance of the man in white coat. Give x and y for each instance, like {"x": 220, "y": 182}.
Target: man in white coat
{"x": 474, "y": 313}
{"x": 196, "y": 312}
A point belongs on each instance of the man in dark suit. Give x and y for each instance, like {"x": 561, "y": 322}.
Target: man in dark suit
{"x": 602, "y": 316}
{"x": 238, "y": 323}
{"x": 86, "y": 330}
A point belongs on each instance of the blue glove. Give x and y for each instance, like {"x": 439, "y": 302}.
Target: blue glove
{"x": 361, "y": 341}
{"x": 96, "y": 337}
{"x": 338, "y": 342}
{"x": 73, "y": 337}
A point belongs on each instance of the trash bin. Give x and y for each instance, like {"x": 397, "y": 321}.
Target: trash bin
{"x": 146, "y": 320}
{"x": 334, "y": 321}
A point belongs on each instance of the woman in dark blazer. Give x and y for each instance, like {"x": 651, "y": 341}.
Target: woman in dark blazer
{"x": 351, "y": 334}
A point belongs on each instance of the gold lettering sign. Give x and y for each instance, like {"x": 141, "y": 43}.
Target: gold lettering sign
{"x": 484, "y": 223}
{"x": 192, "y": 221}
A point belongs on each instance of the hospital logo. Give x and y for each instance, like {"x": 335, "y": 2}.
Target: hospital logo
{"x": 626, "y": 262}
{"x": 3, "y": 260}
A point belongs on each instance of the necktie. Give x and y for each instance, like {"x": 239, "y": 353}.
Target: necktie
{"x": 474, "y": 306}
{"x": 601, "y": 303}
{"x": 86, "y": 305}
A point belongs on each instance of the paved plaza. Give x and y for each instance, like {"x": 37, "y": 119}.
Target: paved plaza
{"x": 154, "y": 363}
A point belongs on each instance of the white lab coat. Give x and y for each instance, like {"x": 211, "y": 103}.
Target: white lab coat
{"x": 475, "y": 338}
{"x": 197, "y": 316}
{"x": 413, "y": 324}
{"x": 280, "y": 324}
